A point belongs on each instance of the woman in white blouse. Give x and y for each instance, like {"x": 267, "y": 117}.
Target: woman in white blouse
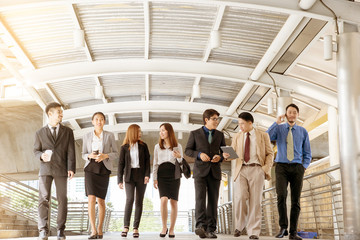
{"x": 99, "y": 150}
{"x": 166, "y": 152}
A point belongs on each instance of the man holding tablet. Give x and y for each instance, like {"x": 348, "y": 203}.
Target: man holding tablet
{"x": 252, "y": 167}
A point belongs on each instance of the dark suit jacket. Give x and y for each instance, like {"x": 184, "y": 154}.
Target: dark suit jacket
{"x": 63, "y": 157}
{"x": 124, "y": 167}
{"x": 198, "y": 142}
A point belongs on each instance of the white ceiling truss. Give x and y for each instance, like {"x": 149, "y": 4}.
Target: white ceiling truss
{"x": 146, "y": 55}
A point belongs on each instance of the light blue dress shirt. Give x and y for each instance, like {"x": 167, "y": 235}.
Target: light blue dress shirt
{"x": 302, "y": 151}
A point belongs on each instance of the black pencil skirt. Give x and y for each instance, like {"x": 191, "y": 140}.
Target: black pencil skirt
{"x": 96, "y": 184}
{"x": 168, "y": 185}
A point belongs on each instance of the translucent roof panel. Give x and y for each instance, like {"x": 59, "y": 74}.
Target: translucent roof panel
{"x": 180, "y": 30}
{"x": 113, "y": 30}
{"x": 46, "y": 32}
{"x": 245, "y": 36}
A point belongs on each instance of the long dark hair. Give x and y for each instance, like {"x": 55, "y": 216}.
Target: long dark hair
{"x": 171, "y": 136}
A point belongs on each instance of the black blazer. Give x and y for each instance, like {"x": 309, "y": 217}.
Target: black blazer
{"x": 198, "y": 142}
{"x": 124, "y": 167}
{"x": 63, "y": 157}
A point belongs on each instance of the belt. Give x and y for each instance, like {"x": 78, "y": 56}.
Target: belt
{"x": 251, "y": 164}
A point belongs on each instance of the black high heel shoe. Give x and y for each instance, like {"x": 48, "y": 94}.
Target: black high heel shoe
{"x": 163, "y": 235}
{"x": 123, "y": 233}
{"x": 136, "y": 234}
{"x": 95, "y": 236}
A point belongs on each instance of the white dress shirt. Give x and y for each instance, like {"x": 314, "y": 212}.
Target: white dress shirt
{"x": 57, "y": 129}
{"x": 134, "y": 154}
{"x": 164, "y": 155}
{"x": 97, "y": 142}
{"x": 253, "y": 156}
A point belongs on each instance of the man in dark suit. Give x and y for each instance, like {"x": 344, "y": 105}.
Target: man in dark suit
{"x": 204, "y": 145}
{"x": 54, "y": 147}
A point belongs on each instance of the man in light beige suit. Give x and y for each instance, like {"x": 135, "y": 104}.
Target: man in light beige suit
{"x": 252, "y": 167}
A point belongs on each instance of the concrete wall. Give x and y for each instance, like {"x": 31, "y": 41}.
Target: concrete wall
{"x": 18, "y": 124}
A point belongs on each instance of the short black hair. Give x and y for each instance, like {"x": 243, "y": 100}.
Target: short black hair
{"x": 50, "y": 106}
{"x": 292, "y": 105}
{"x": 208, "y": 113}
{"x": 100, "y": 113}
{"x": 246, "y": 116}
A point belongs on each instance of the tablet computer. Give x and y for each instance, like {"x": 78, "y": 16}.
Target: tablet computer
{"x": 229, "y": 150}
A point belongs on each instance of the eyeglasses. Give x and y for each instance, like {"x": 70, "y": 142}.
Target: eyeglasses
{"x": 215, "y": 119}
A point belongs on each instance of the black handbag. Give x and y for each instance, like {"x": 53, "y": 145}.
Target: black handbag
{"x": 186, "y": 170}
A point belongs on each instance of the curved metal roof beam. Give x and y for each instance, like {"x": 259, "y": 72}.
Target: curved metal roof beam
{"x": 349, "y": 11}
{"x": 145, "y": 127}
{"x": 179, "y": 68}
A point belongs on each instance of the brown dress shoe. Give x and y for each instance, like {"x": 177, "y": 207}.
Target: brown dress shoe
{"x": 253, "y": 237}
{"x": 237, "y": 233}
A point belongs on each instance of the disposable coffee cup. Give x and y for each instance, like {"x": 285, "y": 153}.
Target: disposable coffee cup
{"x": 49, "y": 153}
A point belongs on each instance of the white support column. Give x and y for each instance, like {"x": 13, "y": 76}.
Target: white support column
{"x": 334, "y": 155}
{"x": 333, "y": 135}
{"x": 348, "y": 72}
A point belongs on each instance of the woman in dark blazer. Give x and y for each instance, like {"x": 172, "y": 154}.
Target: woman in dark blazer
{"x": 134, "y": 170}
{"x": 99, "y": 150}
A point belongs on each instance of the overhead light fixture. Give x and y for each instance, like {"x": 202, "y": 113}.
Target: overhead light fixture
{"x": 79, "y": 38}
{"x": 328, "y": 47}
{"x": 98, "y": 92}
{"x": 306, "y": 4}
{"x": 196, "y": 92}
{"x": 215, "y": 39}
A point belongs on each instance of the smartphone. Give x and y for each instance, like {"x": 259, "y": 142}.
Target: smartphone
{"x": 176, "y": 149}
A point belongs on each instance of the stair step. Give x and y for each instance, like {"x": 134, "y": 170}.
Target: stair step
{"x": 13, "y": 221}
{"x": 5, "y": 226}
{"x": 6, "y": 216}
{"x": 18, "y": 233}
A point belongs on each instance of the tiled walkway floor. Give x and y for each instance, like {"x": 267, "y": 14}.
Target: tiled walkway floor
{"x": 155, "y": 236}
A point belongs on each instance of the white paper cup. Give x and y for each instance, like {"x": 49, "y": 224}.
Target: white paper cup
{"x": 49, "y": 153}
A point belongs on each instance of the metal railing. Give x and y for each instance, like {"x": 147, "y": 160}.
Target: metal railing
{"x": 321, "y": 206}
{"x": 22, "y": 200}
{"x": 224, "y": 219}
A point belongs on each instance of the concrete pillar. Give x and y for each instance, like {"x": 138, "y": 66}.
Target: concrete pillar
{"x": 348, "y": 58}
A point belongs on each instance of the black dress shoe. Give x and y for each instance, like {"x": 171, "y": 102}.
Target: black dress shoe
{"x": 283, "y": 232}
{"x": 237, "y": 233}
{"x": 43, "y": 235}
{"x": 200, "y": 232}
{"x": 211, "y": 235}
{"x": 61, "y": 235}
{"x": 253, "y": 237}
{"x": 294, "y": 236}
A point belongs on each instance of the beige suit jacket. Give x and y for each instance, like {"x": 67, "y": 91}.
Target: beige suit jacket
{"x": 264, "y": 152}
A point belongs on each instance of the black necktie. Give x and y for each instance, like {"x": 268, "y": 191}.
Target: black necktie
{"x": 54, "y": 133}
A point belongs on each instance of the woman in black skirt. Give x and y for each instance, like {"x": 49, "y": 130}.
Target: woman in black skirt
{"x": 166, "y": 152}
{"x": 134, "y": 170}
{"x": 99, "y": 150}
